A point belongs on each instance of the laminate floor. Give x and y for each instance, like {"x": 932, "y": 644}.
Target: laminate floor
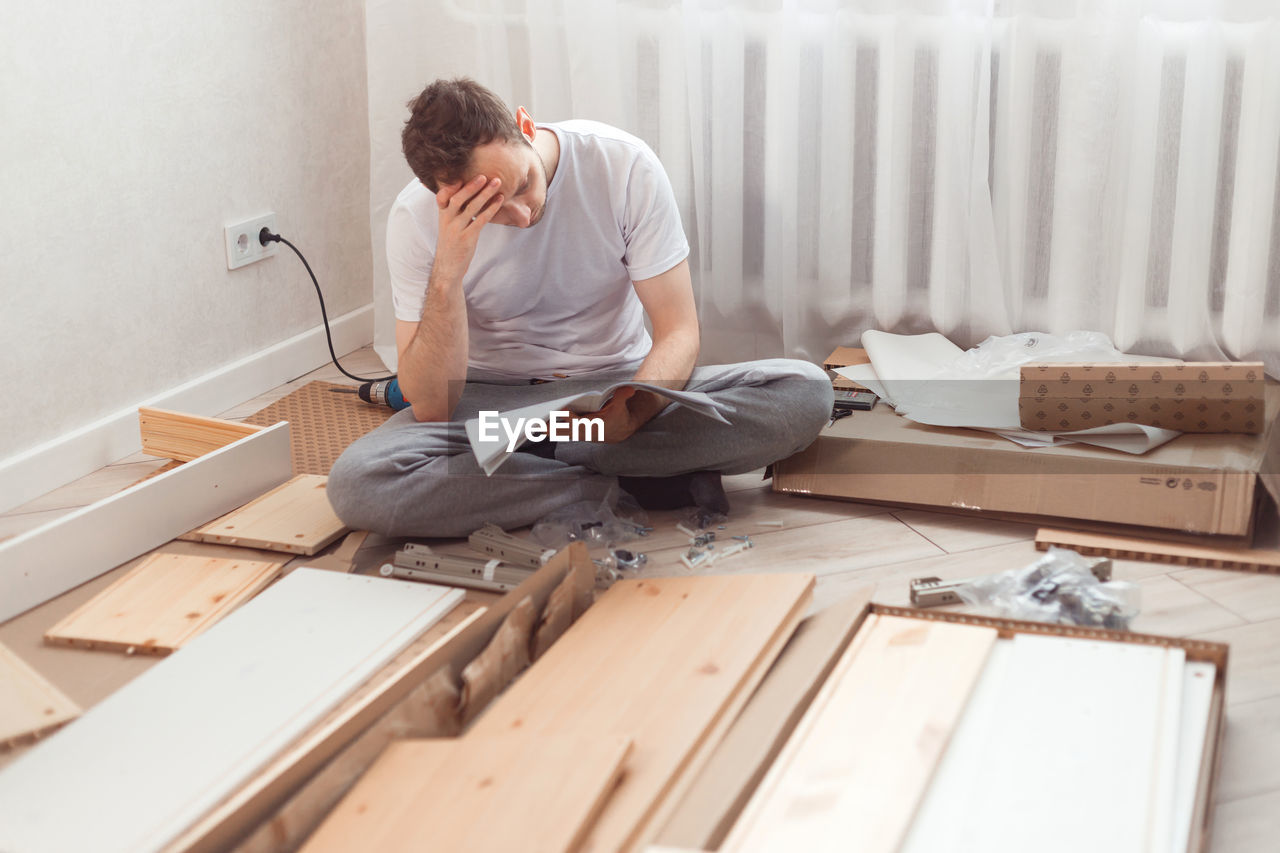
{"x": 848, "y": 545}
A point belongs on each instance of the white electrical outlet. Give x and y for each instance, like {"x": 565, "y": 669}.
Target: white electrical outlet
{"x": 243, "y": 245}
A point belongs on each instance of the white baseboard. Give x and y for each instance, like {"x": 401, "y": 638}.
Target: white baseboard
{"x": 47, "y": 466}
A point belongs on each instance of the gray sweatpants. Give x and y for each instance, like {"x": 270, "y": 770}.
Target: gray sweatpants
{"x": 421, "y": 480}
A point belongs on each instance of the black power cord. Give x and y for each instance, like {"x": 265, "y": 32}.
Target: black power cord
{"x": 264, "y": 237}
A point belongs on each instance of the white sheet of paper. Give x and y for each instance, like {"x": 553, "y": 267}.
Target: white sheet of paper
{"x": 865, "y": 375}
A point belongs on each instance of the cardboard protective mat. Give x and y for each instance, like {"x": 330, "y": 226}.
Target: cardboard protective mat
{"x": 322, "y": 423}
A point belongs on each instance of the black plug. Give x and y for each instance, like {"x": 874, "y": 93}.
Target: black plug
{"x": 265, "y": 236}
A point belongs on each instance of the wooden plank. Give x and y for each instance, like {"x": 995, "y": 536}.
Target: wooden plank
{"x": 293, "y": 795}
{"x": 657, "y": 660}
{"x": 720, "y": 792}
{"x": 152, "y": 758}
{"x": 807, "y": 722}
{"x": 862, "y": 764}
{"x": 43, "y": 563}
{"x": 164, "y": 602}
{"x": 1130, "y": 548}
{"x": 30, "y": 706}
{"x": 706, "y": 746}
{"x": 479, "y": 794}
{"x": 294, "y": 517}
{"x": 183, "y": 437}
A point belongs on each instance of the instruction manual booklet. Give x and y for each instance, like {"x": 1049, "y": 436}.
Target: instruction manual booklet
{"x": 509, "y": 430}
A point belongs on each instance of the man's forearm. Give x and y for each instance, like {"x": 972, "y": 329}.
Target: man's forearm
{"x": 669, "y": 364}
{"x": 434, "y": 365}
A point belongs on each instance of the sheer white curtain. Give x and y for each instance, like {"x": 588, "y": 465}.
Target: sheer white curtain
{"x": 972, "y": 167}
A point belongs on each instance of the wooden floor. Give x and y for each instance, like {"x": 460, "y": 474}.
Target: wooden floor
{"x": 847, "y": 545}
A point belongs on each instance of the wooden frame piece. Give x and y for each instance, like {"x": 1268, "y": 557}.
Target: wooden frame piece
{"x": 294, "y": 517}
{"x": 1130, "y": 548}
{"x": 182, "y": 437}
{"x": 666, "y": 661}
{"x": 868, "y": 745}
{"x": 1195, "y": 650}
{"x": 721, "y": 790}
{"x": 43, "y": 563}
{"x": 30, "y": 707}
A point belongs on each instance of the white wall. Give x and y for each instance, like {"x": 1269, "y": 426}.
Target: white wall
{"x": 132, "y": 133}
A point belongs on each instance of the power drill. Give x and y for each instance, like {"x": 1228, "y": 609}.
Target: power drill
{"x": 383, "y": 393}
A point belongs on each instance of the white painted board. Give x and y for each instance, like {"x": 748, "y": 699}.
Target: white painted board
{"x": 1057, "y": 751}
{"x": 151, "y": 759}
{"x": 1197, "y": 700}
{"x": 43, "y": 563}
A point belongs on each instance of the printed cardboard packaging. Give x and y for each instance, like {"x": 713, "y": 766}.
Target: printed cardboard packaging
{"x": 1202, "y": 397}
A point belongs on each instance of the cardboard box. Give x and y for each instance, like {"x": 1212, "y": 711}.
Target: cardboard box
{"x": 1208, "y": 397}
{"x": 1197, "y": 484}
{"x": 846, "y": 356}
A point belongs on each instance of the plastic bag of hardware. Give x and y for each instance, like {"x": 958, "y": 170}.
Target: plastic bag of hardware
{"x": 698, "y": 518}
{"x": 615, "y": 520}
{"x": 1059, "y": 587}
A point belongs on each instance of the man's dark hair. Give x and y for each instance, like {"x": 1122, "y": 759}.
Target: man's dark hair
{"x": 447, "y": 122}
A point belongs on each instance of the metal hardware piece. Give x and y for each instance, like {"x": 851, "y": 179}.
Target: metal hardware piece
{"x": 449, "y": 568}
{"x": 627, "y": 561}
{"x": 392, "y": 571}
{"x": 496, "y": 542}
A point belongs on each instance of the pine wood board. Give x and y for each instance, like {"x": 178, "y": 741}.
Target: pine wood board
{"x": 861, "y": 766}
{"x": 294, "y": 517}
{"x": 657, "y": 660}
{"x": 479, "y": 794}
{"x": 164, "y": 602}
{"x": 325, "y": 422}
{"x": 721, "y": 790}
{"x": 148, "y": 761}
{"x": 30, "y": 706}
{"x": 183, "y": 437}
{"x": 1130, "y": 548}
{"x": 43, "y": 563}
{"x": 706, "y": 746}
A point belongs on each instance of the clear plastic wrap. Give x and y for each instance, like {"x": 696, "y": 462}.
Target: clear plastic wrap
{"x": 1059, "y": 587}
{"x": 605, "y": 524}
{"x": 602, "y": 526}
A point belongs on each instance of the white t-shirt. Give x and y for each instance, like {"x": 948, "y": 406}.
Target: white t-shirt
{"x": 556, "y": 298}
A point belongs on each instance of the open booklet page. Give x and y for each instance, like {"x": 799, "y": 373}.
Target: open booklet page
{"x": 497, "y": 437}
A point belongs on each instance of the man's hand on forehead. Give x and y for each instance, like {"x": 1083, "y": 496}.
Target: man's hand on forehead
{"x": 465, "y": 208}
